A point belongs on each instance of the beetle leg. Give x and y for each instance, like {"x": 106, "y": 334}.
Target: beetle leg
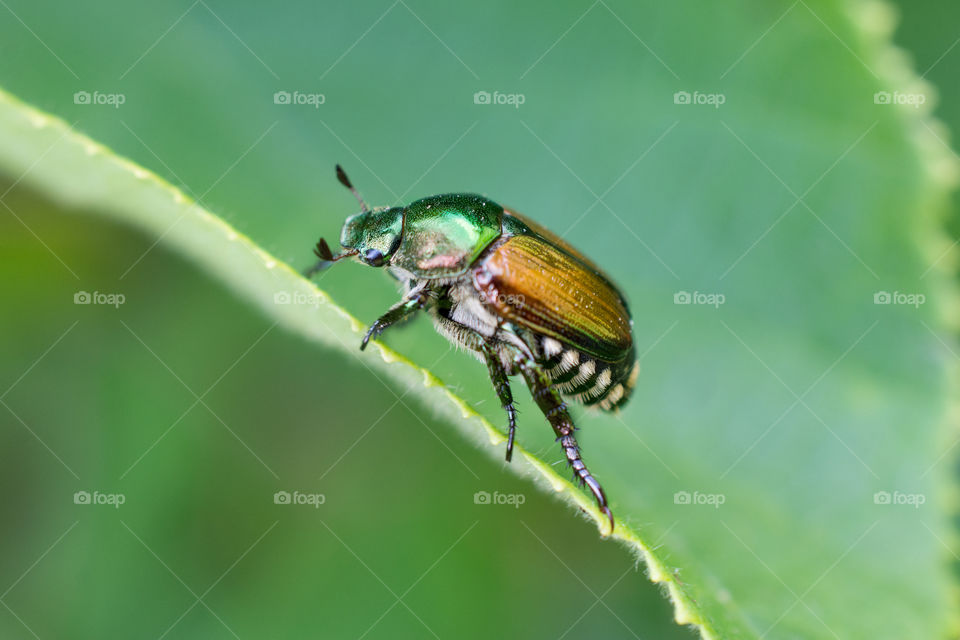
{"x": 395, "y": 314}
{"x": 501, "y": 383}
{"x": 556, "y": 412}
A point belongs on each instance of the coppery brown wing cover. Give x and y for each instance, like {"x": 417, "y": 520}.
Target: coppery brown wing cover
{"x": 537, "y": 284}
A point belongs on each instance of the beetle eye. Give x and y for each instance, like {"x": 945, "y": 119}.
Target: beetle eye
{"x": 373, "y": 257}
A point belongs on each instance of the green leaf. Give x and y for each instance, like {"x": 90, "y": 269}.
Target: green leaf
{"x": 85, "y": 175}
{"x": 750, "y": 471}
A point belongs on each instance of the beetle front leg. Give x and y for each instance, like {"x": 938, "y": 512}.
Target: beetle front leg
{"x": 556, "y": 412}
{"x": 501, "y": 383}
{"x": 396, "y": 313}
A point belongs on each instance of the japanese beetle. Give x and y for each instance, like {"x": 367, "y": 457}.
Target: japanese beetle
{"x": 516, "y": 295}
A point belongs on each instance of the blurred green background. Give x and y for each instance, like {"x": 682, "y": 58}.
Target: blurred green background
{"x": 197, "y": 410}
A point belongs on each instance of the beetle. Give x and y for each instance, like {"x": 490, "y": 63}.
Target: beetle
{"x": 511, "y": 292}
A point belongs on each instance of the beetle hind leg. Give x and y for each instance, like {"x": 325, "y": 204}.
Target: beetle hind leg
{"x": 501, "y": 384}
{"x": 556, "y": 413}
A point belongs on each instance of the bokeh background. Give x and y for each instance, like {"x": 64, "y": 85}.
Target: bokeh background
{"x": 197, "y": 409}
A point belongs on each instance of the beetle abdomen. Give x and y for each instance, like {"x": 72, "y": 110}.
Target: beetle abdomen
{"x": 587, "y": 380}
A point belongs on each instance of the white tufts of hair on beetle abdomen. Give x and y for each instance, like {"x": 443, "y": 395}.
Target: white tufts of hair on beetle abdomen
{"x": 585, "y": 379}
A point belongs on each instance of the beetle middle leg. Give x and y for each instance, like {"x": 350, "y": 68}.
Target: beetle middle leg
{"x": 501, "y": 383}
{"x": 553, "y": 407}
{"x": 395, "y": 314}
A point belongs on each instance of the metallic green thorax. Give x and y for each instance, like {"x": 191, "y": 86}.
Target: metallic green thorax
{"x": 443, "y": 235}
{"x": 436, "y": 237}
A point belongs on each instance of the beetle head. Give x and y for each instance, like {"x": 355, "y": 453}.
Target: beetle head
{"x": 373, "y": 235}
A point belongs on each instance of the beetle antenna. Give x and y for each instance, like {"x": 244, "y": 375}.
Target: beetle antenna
{"x": 323, "y": 252}
{"x": 327, "y": 257}
{"x": 345, "y": 181}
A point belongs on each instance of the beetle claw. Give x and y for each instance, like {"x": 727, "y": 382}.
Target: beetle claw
{"x": 606, "y": 510}
{"x": 366, "y": 338}
{"x": 372, "y": 334}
